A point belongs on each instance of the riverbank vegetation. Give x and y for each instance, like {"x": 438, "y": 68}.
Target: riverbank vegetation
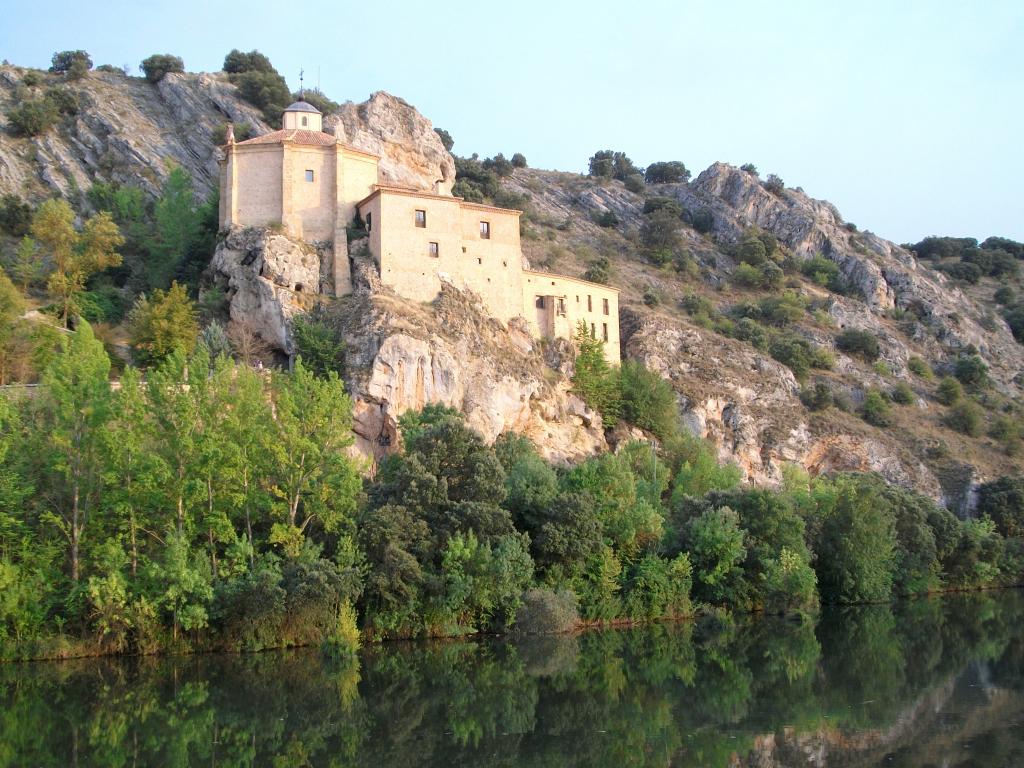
{"x": 213, "y": 506}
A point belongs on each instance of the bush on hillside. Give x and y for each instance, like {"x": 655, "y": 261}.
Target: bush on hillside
{"x": 903, "y": 394}
{"x": 518, "y": 160}
{"x": 157, "y": 66}
{"x": 606, "y": 164}
{"x": 648, "y": 401}
{"x": 861, "y": 343}
{"x": 15, "y": 215}
{"x": 774, "y": 184}
{"x": 967, "y": 418}
{"x": 446, "y": 138}
{"x": 670, "y": 172}
{"x": 74, "y": 64}
{"x": 918, "y": 367}
{"x": 972, "y": 372}
{"x": 876, "y": 410}
{"x": 949, "y": 391}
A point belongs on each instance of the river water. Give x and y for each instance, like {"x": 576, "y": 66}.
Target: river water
{"x": 936, "y": 682}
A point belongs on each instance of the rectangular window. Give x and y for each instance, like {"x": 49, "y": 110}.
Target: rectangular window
{"x": 604, "y": 331}
{"x": 540, "y": 302}
{"x": 309, "y": 175}
{"x": 593, "y": 331}
{"x": 590, "y": 304}
{"x": 433, "y": 250}
{"x": 369, "y": 222}
{"x": 561, "y": 307}
{"x": 305, "y": 122}
{"x": 605, "y": 305}
{"x": 485, "y": 230}
{"x": 421, "y": 219}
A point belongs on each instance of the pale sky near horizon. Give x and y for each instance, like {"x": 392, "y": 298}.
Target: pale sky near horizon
{"x": 909, "y": 116}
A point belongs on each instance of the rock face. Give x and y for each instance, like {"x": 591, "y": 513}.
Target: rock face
{"x": 748, "y": 406}
{"x": 887, "y": 276}
{"x": 401, "y": 356}
{"x": 267, "y": 278}
{"x": 411, "y": 154}
{"x": 126, "y": 131}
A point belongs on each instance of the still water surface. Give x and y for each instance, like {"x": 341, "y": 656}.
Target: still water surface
{"x": 930, "y": 682}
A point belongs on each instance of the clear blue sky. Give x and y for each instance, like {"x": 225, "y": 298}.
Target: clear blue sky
{"x": 909, "y": 116}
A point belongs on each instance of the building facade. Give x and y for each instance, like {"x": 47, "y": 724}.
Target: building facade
{"x": 313, "y": 185}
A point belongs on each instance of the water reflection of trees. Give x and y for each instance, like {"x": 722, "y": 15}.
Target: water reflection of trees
{"x": 683, "y": 693}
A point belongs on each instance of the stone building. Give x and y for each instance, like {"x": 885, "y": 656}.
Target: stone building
{"x": 312, "y": 185}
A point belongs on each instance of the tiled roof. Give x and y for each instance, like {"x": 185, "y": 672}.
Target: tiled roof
{"x": 297, "y": 136}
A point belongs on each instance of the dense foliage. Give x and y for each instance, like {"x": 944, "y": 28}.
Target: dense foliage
{"x": 212, "y": 506}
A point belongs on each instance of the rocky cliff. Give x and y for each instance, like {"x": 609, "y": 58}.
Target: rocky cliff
{"x": 403, "y": 355}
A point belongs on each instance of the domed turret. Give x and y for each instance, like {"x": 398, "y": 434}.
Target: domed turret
{"x": 302, "y": 116}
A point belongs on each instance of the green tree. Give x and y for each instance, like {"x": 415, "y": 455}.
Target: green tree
{"x": 856, "y": 550}
{"x": 593, "y": 378}
{"x": 73, "y": 411}
{"x": 716, "y": 544}
{"x": 27, "y": 267}
{"x": 967, "y": 417}
{"x": 185, "y": 586}
{"x": 876, "y": 410}
{"x": 659, "y": 235}
{"x": 949, "y": 391}
{"x": 648, "y": 400}
{"x": 176, "y": 225}
{"x": 159, "y": 65}
{"x": 76, "y": 255}
{"x": 74, "y": 64}
{"x": 1003, "y": 501}
{"x": 318, "y": 344}
{"x": 972, "y": 372}
{"x": 162, "y": 323}
{"x": 12, "y": 305}
{"x": 313, "y": 478}
{"x": 670, "y": 172}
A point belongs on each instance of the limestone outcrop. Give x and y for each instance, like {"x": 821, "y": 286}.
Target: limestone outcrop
{"x": 411, "y": 154}
{"x": 747, "y": 405}
{"x": 266, "y": 279}
{"x": 402, "y": 355}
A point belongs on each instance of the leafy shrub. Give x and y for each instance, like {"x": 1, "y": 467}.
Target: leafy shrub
{"x": 546, "y": 612}
{"x": 881, "y": 368}
{"x": 319, "y": 344}
{"x": 599, "y": 270}
{"x": 518, "y": 160}
{"x": 966, "y": 417}
{"x": 666, "y": 173}
{"x": 607, "y": 164}
{"x": 1002, "y": 500}
{"x": 15, "y": 215}
{"x": 972, "y": 372}
{"x": 774, "y": 184}
{"x": 657, "y": 203}
{"x": 823, "y": 272}
{"x": 962, "y": 270}
{"x": 749, "y": 330}
{"x": 903, "y": 394}
{"x": 250, "y": 609}
{"x": 1004, "y": 295}
{"x": 32, "y": 117}
{"x": 607, "y": 219}
{"x": 876, "y": 410}
{"x": 157, "y": 66}
{"x": 258, "y": 83}
{"x": 858, "y": 342}
{"x": 949, "y": 391}
{"x": 793, "y": 352}
{"x": 593, "y": 378}
{"x": 703, "y": 220}
{"x": 717, "y": 547}
{"x": 749, "y": 168}
{"x": 659, "y": 235}
{"x": 635, "y": 183}
{"x": 790, "y": 584}
{"x": 752, "y": 251}
{"x": 446, "y": 139}
{"x": 652, "y": 298}
{"x": 817, "y": 398}
{"x": 919, "y": 367}
{"x": 162, "y": 323}
{"x": 499, "y": 164}
{"x": 659, "y": 588}
{"x": 648, "y": 401}
{"x": 75, "y": 64}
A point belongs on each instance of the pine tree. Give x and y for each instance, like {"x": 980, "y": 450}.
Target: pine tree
{"x": 162, "y": 323}
{"x": 594, "y": 379}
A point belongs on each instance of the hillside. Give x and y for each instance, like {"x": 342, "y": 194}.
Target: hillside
{"x": 741, "y": 329}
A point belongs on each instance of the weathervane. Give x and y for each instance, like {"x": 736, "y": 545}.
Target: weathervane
{"x": 302, "y": 91}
